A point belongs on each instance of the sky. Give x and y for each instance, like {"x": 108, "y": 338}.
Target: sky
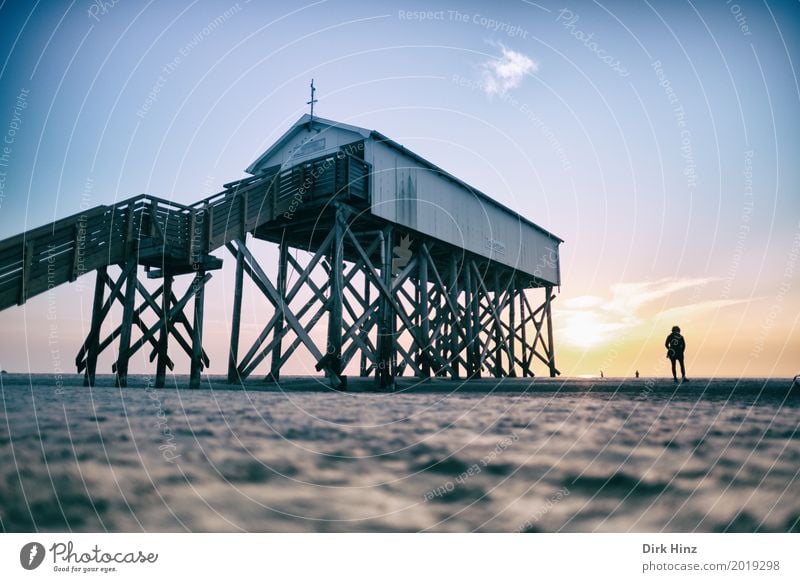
{"x": 658, "y": 139}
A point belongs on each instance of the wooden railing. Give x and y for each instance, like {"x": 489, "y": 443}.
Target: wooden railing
{"x": 247, "y": 204}
{"x": 160, "y": 230}
{"x": 48, "y": 256}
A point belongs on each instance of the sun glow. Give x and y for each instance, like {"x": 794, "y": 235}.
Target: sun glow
{"x": 584, "y": 329}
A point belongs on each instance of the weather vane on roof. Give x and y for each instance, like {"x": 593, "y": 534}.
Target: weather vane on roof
{"x": 313, "y": 90}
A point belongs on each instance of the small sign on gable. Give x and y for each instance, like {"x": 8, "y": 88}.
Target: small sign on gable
{"x": 309, "y": 147}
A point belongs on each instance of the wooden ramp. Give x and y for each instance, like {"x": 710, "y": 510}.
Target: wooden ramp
{"x": 160, "y": 234}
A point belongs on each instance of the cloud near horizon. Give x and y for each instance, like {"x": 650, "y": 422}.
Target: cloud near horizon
{"x": 590, "y": 320}
{"x": 506, "y": 72}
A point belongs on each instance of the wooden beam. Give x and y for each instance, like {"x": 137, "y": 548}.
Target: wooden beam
{"x": 523, "y": 323}
{"x": 333, "y": 351}
{"x": 116, "y": 289}
{"x": 180, "y": 317}
{"x": 236, "y": 318}
{"x": 163, "y": 340}
{"x": 273, "y": 295}
{"x": 197, "y": 331}
{"x": 149, "y": 301}
{"x": 499, "y": 341}
{"x": 455, "y": 349}
{"x": 283, "y": 265}
{"x": 422, "y": 285}
{"x": 253, "y": 358}
{"x": 551, "y": 356}
{"x": 363, "y": 371}
{"x": 257, "y": 274}
{"x": 512, "y": 366}
{"x": 126, "y": 325}
{"x": 493, "y": 309}
{"x": 384, "y": 374}
{"x": 469, "y": 322}
{"x": 358, "y": 333}
{"x": 93, "y": 339}
{"x": 387, "y": 291}
{"x": 173, "y": 315}
{"x": 298, "y": 340}
{"x": 360, "y": 340}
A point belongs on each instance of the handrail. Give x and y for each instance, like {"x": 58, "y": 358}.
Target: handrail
{"x": 41, "y": 258}
{"x": 235, "y": 187}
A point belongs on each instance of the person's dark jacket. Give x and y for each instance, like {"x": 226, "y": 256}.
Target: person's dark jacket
{"x": 675, "y": 345}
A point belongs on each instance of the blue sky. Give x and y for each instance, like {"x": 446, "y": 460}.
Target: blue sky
{"x": 658, "y": 139}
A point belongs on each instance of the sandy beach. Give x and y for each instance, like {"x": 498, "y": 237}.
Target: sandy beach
{"x": 577, "y": 455}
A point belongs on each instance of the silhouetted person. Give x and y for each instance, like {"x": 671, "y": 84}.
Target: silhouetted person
{"x": 637, "y": 373}
{"x": 676, "y": 345}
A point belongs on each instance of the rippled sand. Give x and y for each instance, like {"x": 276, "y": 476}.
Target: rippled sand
{"x": 553, "y": 457}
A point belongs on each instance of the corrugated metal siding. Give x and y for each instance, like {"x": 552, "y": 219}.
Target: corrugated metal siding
{"x": 407, "y": 193}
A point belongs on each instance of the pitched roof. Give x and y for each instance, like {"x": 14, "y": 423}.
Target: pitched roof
{"x": 304, "y": 121}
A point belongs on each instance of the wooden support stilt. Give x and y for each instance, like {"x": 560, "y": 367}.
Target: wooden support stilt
{"x": 437, "y": 330}
{"x": 476, "y": 323}
{"x": 425, "y": 331}
{"x": 470, "y": 368}
{"x": 363, "y": 369}
{"x": 523, "y": 324}
{"x": 236, "y": 317}
{"x": 126, "y": 327}
{"x": 491, "y": 328}
{"x": 385, "y": 372}
{"x": 275, "y": 364}
{"x": 256, "y": 273}
{"x": 357, "y": 333}
{"x": 163, "y": 338}
{"x": 173, "y": 318}
{"x": 512, "y": 326}
{"x": 332, "y": 361}
{"x": 455, "y": 322}
{"x": 81, "y": 359}
{"x": 472, "y": 325}
{"x": 197, "y": 331}
{"x": 498, "y": 333}
{"x": 551, "y": 355}
{"x": 92, "y": 344}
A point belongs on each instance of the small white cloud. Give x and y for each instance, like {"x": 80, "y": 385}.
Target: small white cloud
{"x": 582, "y": 302}
{"x": 628, "y": 298}
{"x": 506, "y": 72}
{"x": 684, "y": 312}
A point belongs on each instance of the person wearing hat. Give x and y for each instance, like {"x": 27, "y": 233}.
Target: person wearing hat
{"x": 676, "y": 345}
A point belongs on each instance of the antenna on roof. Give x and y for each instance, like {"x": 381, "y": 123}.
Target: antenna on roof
{"x": 313, "y": 90}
